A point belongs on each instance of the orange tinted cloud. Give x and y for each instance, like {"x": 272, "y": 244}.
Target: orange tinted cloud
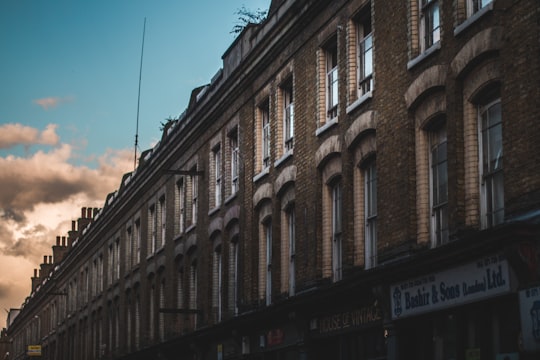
{"x": 18, "y": 134}
{"x": 51, "y": 102}
{"x": 39, "y": 196}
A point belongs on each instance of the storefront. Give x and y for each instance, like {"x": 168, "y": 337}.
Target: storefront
{"x": 355, "y": 333}
{"x": 468, "y": 312}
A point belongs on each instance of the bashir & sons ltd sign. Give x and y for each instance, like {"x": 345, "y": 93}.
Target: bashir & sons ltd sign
{"x": 475, "y": 281}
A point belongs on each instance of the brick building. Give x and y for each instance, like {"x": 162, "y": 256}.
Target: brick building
{"x": 337, "y": 190}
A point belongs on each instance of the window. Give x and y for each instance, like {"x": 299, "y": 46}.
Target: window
{"x": 288, "y": 115}
{"x": 233, "y": 277}
{"x": 267, "y": 226}
{"x": 491, "y": 160}
{"x": 192, "y": 196}
{"x": 473, "y": 6}
{"x": 95, "y": 277}
{"x": 291, "y": 224}
{"x": 180, "y": 193}
{"x": 337, "y": 246}
{"x": 161, "y": 315}
{"x": 117, "y": 259}
{"x": 180, "y": 286}
{"x": 129, "y": 247}
{"x": 365, "y": 56}
{"x": 111, "y": 264}
{"x": 216, "y": 164}
{"x": 137, "y": 241}
{"x": 265, "y": 136}
{"x": 218, "y": 283}
{"x": 439, "y": 185}
{"x": 430, "y": 31}
{"x": 193, "y": 291}
{"x": 100, "y": 273}
{"x": 332, "y": 95}
{"x": 162, "y": 222}
{"x": 152, "y": 229}
{"x": 137, "y": 320}
{"x": 152, "y": 310}
{"x": 370, "y": 186}
{"x": 235, "y": 154}
{"x": 128, "y": 321}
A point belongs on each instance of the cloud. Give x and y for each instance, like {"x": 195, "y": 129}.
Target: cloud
{"x": 52, "y": 102}
{"x": 40, "y": 195}
{"x": 18, "y": 134}
{"x": 40, "y": 192}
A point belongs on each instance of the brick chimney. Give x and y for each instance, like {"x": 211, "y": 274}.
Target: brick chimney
{"x": 59, "y": 250}
{"x": 35, "y": 280}
{"x": 72, "y": 234}
{"x": 85, "y": 219}
{"x": 46, "y": 267}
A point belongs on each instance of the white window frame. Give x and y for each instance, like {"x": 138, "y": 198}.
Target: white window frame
{"x": 365, "y": 57}
{"x": 268, "y": 242}
{"x": 235, "y": 157}
{"x": 430, "y": 23}
{"x": 438, "y": 167}
{"x": 234, "y": 260}
{"x": 129, "y": 247}
{"x": 137, "y": 241}
{"x": 152, "y": 227}
{"x": 180, "y": 288}
{"x": 218, "y": 263}
{"x": 474, "y": 6}
{"x": 180, "y": 188}
{"x": 291, "y": 231}
{"x": 288, "y": 116}
{"x": 337, "y": 231}
{"x": 217, "y": 176}
{"x": 491, "y": 175}
{"x": 117, "y": 259}
{"x": 332, "y": 83}
{"x": 161, "y": 316}
{"x": 194, "y": 198}
{"x": 162, "y": 221}
{"x": 193, "y": 278}
{"x": 370, "y": 211}
{"x": 266, "y": 140}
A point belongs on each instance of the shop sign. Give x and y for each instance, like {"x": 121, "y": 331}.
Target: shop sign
{"x": 34, "y": 350}
{"x": 275, "y": 337}
{"x": 475, "y": 281}
{"x": 529, "y": 305}
{"x": 347, "y": 320}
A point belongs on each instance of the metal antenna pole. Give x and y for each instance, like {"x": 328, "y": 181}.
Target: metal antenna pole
{"x": 139, "y": 99}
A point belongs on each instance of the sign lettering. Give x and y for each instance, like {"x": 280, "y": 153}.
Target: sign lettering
{"x": 471, "y": 282}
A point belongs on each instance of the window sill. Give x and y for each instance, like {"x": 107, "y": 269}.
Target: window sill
{"x": 282, "y": 159}
{"x": 362, "y": 99}
{"x": 473, "y": 18}
{"x": 214, "y": 210}
{"x": 430, "y": 51}
{"x": 230, "y": 198}
{"x": 190, "y": 228}
{"x": 326, "y": 126}
{"x": 262, "y": 174}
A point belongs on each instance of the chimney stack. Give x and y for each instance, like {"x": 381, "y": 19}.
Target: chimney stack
{"x": 35, "y": 280}
{"x": 46, "y": 267}
{"x": 59, "y": 250}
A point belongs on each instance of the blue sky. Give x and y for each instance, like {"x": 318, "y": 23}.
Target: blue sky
{"x": 69, "y": 73}
{"x": 81, "y": 59}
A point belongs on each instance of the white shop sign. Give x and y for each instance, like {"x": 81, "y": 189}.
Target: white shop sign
{"x": 529, "y": 304}
{"x": 475, "y": 281}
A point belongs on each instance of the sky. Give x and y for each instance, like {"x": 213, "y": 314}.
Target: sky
{"x": 69, "y": 80}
